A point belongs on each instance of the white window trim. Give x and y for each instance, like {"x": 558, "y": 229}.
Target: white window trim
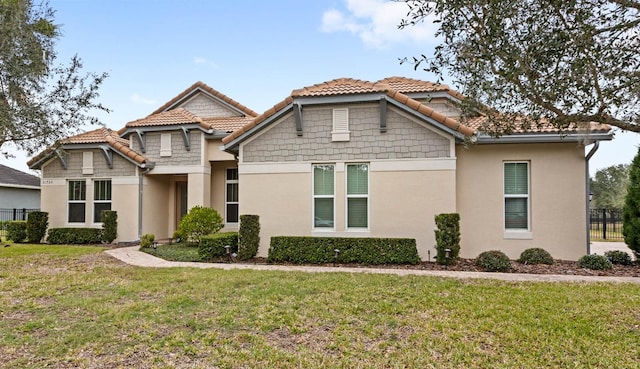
{"x": 513, "y": 233}
{"x": 340, "y": 131}
{"x": 226, "y": 182}
{"x": 314, "y": 197}
{"x": 347, "y": 197}
{"x": 93, "y": 201}
{"x": 69, "y": 201}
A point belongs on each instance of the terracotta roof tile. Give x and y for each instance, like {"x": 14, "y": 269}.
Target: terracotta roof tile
{"x": 229, "y": 124}
{"x": 340, "y": 86}
{"x": 479, "y": 123}
{"x": 199, "y": 85}
{"x": 168, "y": 118}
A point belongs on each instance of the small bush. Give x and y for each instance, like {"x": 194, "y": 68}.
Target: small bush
{"x": 493, "y": 261}
{"x": 212, "y": 246}
{"x": 199, "y": 222}
{"x": 109, "y": 225}
{"x": 37, "y": 223}
{"x": 248, "y": 236}
{"x": 321, "y": 250}
{"x": 595, "y": 262}
{"x": 535, "y": 256}
{"x": 147, "y": 240}
{"x": 447, "y": 238}
{"x": 618, "y": 257}
{"x": 16, "y": 230}
{"x": 74, "y": 236}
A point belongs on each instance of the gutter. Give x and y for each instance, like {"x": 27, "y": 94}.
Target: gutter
{"x": 593, "y": 150}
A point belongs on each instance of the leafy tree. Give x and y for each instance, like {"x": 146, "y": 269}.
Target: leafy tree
{"x": 40, "y": 101}
{"x": 567, "y": 61}
{"x": 199, "y": 222}
{"x": 631, "y": 210}
{"x": 609, "y": 187}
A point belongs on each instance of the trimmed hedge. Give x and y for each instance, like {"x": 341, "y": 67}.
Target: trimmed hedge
{"x": 211, "y": 247}
{"x": 535, "y": 256}
{"x": 74, "y": 236}
{"x": 320, "y": 250}
{"x": 16, "y": 230}
{"x": 595, "y": 262}
{"x": 447, "y": 238}
{"x": 37, "y": 223}
{"x": 618, "y": 257}
{"x": 109, "y": 225}
{"x": 494, "y": 261}
{"x": 248, "y": 236}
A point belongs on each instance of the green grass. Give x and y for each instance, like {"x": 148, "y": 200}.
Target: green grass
{"x": 174, "y": 252}
{"x": 68, "y": 306}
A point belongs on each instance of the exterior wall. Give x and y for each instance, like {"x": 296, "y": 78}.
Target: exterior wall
{"x": 121, "y": 167}
{"x": 158, "y": 209}
{"x": 557, "y": 199}
{"x": 204, "y": 106}
{"x": 443, "y": 106}
{"x": 404, "y": 139}
{"x": 213, "y": 152}
{"x": 19, "y": 198}
{"x": 179, "y": 154}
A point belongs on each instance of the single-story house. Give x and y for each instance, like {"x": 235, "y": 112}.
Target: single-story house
{"x": 18, "y": 190}
{"x": 344, "y": 158}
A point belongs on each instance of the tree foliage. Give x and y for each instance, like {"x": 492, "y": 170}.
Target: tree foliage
{"x": 567, "y": 61}
{"x": 41, "y": 101}
{"x": 631, "y": 210}
{"x": 198, "y": 222}
{"x": 609, "y": 187}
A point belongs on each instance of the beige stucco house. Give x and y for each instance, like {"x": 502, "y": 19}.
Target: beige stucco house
{"x": 345, "y": 158}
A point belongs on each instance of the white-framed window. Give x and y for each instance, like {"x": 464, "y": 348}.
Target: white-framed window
{"x": 231, "y": 203}
{"x": 165, "y": 144}
{"x": 516, "y": 196}
{"x": 77, "y": 201}
{"x": 340, "y": 130}
{"x": 101, "y": 198}
{"x": 323, "y": 195}
{"x": 357, "y": 195}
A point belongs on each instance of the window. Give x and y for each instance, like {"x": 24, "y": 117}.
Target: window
{"x": 77, "y": 201}
{"x": 357, "y": 195}
{"x": 165, "y": 144}
{"x": 323, "y": 195}
{"x": 340, "y": 125}
{"x": 101, "y": 198}
{"x": 516, "y": 196}
{"x": 232, "y": 195}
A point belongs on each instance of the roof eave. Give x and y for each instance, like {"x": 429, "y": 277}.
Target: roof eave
{"x": 405, "y": 108}
{"x": 483, "y": 138}
{"x": 233, "y": 145}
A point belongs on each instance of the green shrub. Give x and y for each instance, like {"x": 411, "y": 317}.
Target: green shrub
{"x": 618, "y": 257}
{"x": 147, "y": 240}
{"x": 248, "y": 236}
{"x": 321, "y": 250}
{"x": 198, "y": 222}
{"x": 109, "y": 225}
{"x": 74, "y": 236}
{"x": 493, "y": 261}
{"x": 16, "y": 230}
{"x": 631, "y": 210}
{"x": 37, "y": 223}
{"x": 535, "y": 256}
{"x": 595, "y": 262}
{"x": 212, "y": 247}
{"x": 447, "y": 238}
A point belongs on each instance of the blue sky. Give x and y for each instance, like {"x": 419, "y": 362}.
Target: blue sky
{"x": 254, "y": 51}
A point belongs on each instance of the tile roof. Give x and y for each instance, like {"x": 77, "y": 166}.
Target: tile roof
{"x": 409, "y": 85}
{"x": 199, "y": 85}
{"x": 97, "y": 136}
{"x": 14, "y": 177}
{"x": 180, "y": 116}
{"x": 229, "y": 124}
{"x": 479, "y": 124}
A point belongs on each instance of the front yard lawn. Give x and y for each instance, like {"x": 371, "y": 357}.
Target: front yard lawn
{"x": 69, "y": 306}
{"x": 174, "y": 252}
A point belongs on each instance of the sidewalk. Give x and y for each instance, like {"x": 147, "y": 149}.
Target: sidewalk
{"x": 132, "y": 256}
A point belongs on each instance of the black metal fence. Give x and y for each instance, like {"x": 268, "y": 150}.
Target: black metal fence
{"x": 13, "y": 214}
{"x": 606, "y": 224}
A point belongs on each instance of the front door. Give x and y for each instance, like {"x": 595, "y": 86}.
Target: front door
{"x": 181, "y": 200}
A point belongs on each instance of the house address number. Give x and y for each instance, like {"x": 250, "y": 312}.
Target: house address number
{"x": 47, "y": 181}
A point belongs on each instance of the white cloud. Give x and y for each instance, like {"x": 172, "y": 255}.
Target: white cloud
{"x": 376, "y": 23}
{"x": 136, "y": 98}
{"x": 198, "y": 60}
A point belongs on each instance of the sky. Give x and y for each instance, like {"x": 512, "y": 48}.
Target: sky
{"x": 254, "y": 51}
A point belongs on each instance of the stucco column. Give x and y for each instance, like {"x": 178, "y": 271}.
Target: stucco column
{"x": 199, "y": 189}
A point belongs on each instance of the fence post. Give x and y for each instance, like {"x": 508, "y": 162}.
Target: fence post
{"x": 604, "y": 224}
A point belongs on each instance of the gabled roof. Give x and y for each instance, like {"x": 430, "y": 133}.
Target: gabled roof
{"x": 180, "y": 116}
{"x": 10, "y": 177}
{"x": 199, "y": 86}
{"x": 409, "y": 86}
{"x": 93, "y": 138}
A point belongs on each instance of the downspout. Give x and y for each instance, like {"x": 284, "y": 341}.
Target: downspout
{"x": 144, "y": 171}
{"x": 593, "y": 150}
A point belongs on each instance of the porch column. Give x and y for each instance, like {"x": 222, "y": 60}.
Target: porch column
{"x": 199, "y": 189}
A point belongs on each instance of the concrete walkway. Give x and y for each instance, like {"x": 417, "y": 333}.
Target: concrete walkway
{"x": 132, "y": 256}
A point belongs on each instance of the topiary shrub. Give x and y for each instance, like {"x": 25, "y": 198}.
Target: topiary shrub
{"x": 248, "y": 236}
{"x": 595, "y": 262}
{"x": 198, "y": 222}
{"x": 212, "y": 246}
{"x": 74, "y": 236}
{"x": 618, "y": 257}
{"x": 535, "y": 256}
{"x": 447, "y": 238}
{"x": 321, "y": 250}
{"x": 37, "y": 223}
{"x": 16, "y": 230}
{"x": 147, "y": 240}
{"x": 109, "y": 225}
{"x": 631, "y": 209}
{"x": 493, "y": 261}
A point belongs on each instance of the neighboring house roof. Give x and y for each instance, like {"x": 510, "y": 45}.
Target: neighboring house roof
{"x": 95, "y": 138}
{"x": 10, "y": 177}
{"x": 199, "y": 86}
